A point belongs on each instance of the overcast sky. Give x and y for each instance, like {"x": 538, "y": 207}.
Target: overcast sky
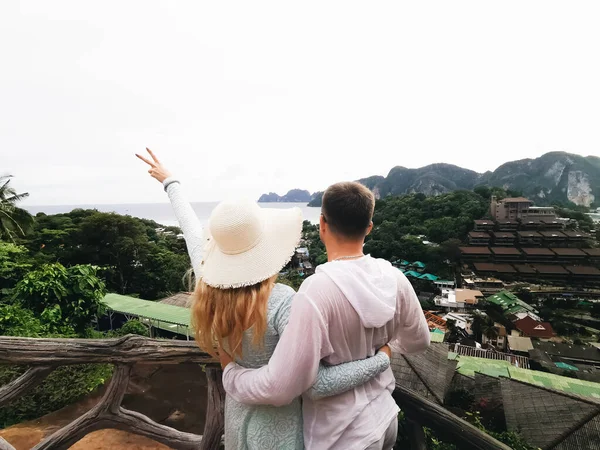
{"x": 248, "y": 97}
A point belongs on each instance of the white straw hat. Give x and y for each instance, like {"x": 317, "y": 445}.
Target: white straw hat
{"x": 247, "y": 244}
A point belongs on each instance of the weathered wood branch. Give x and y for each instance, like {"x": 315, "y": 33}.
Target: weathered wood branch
{"x": 5, "y": 445}
{"x": 93, "y": 419}
{"x": 446, "y": 424}
{"x": 126, "y": 350}
{"x": 31, "y": 378}
{"x": 214, "y": 424}
{"x": 137, "y": 423}
{"x": 109, "y": 414}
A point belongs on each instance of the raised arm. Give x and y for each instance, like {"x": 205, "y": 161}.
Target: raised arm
{"x": 188, "y": 221}
{"x": 334, "y": 380}
{"x": 411, "y": 334}
{"x": 186, "y": 217}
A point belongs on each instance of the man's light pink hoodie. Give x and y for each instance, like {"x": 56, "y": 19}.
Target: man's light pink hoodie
{"x": 344, "y": 312}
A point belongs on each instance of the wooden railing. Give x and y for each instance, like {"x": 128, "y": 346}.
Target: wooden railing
{"x": 42, "y": 356}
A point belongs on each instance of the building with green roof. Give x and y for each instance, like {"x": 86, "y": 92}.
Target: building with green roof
{"x": 174, "y": 319}
{"x": 428, "y": 277}
{"x": 510, "y": 303}
{"x": 418, "y": 265}
{"x": 437, "y": 335}
{"x": 469, "y": 365}
{"x": 412, "y": 274}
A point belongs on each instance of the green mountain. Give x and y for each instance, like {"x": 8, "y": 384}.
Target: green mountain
{"x": 555, "y": 176}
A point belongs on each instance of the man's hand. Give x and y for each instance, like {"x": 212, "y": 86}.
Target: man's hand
{"x": 224, "y": 358}
{"x": 387, "y": 350}
{"x": 157, "y": 170}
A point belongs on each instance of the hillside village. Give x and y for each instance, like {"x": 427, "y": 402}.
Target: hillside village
{"x": 515, "y": 333}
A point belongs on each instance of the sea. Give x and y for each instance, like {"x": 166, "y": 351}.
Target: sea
{"x": 162, "y": 213}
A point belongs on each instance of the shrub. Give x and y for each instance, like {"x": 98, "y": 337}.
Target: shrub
{"x": 134, "y": 327}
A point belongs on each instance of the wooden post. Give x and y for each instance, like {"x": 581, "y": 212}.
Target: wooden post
{"x": 215, "y": 410}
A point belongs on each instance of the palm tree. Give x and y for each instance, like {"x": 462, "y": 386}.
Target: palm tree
{"x": 14, "y": 221}
{"x": 484, "y": 326}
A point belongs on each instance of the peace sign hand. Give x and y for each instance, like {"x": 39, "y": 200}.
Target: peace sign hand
{"x": 157, "y": 170}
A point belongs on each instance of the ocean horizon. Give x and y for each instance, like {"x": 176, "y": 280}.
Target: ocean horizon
{"x": 162, "y": 213}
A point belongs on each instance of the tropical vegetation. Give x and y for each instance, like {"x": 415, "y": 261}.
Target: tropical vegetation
{"x": 54, "y": 272}
{"x": 14, "y": 221}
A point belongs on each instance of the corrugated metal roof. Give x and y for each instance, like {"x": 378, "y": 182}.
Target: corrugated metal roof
{"x": 520, "y": 344}
{"x": 147, "y": 309}
{"x": 468, "y": 365}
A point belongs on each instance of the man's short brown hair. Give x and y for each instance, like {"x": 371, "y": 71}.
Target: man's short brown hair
{"x": 348, "y": 209}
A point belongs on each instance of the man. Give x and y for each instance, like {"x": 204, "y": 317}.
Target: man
{"x": 353, "y": 305}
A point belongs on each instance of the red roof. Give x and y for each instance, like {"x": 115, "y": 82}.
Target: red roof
{"x": 532, "y": 328}
{"x": 529, "y": 234}
{"x": 505, "y": 251}
{"x": 516, "y": 200}
{"x": 475, "y": 250}
{"x": 584, "y": 270}
{"x": 536, "y": 251}
{"x": 577, "y": 234}
{"x": 555, "y": 234}
{"x": 568, "y": 251}
{"x": 550, "y": 269}
{"x": 479, "y": 235}
{"x": 592, "y": 251}
{"x": 504, "y": 234}
{"x": 490, "y": 267}
{"x": 524, "y": 268}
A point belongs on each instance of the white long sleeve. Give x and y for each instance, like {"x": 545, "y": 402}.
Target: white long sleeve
{"x": 188, "y": 222}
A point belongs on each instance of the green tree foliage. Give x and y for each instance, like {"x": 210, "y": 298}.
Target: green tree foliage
{"x": 577, "y": 213}
{"x": 65, "y": 385}
{"x": 136, "y": 257}
{"x": 14, "y": 221}
{"x": 316, "y": 248}
{"x": 63, "y": 296}
{"x": 14, "y": 263}
{"x": 483, "y": 326}
{"x": 444, "y": 219}
{"x": 292, "y": 279}
{"x": 18, "y": 321}
{"x": 134, "y": 327}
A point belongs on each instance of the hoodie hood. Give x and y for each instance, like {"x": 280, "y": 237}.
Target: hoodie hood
{"x": 369, "y": 284}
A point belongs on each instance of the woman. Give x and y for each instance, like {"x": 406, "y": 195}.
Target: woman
{"x": 239, "y": 307}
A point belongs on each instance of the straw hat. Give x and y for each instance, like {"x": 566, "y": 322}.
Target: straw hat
{"x": 247, "y": 244}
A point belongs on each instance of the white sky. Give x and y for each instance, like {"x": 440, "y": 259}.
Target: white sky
{"x": 248, "y": 97}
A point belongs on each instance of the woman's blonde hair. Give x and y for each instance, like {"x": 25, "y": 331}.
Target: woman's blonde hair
{"x": 224, "y": 314}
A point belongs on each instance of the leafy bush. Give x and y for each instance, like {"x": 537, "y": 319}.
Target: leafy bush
{"x": 18, "y": 321}
{"x": 60, "y": 295}
{"x": 134, "y": 327}
{"x": 64, "y": 386}
{"x": 14, "y": 263}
